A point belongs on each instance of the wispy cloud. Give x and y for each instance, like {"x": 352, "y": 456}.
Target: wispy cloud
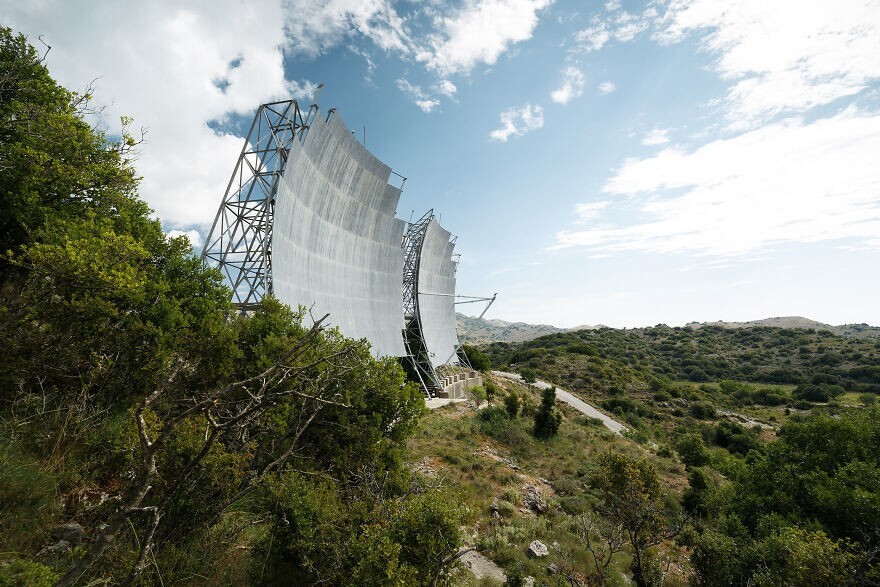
{"x": 572, "y": 86}
{"x": 785, "y": 182}
{"x": 589, "y": 211}
{"x": 518, "y": 121}
{"x": 301, "y": 90}
{"x": 614, "y": 25}
{"x": 606, "y": 87}
{"x": 421, "y": 99}
{"x": 785, "y": 56}
{"x": 479, "y": 32}
{"x": 657, "y": 136}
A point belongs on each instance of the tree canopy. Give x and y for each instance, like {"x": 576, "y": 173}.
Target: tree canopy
{"x": 128, "y": 374}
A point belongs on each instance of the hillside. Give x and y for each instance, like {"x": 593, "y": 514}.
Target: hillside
{"x": 848, "y": 330}
{"x": 480, "y": 330}
{"x": 765, "y": 438}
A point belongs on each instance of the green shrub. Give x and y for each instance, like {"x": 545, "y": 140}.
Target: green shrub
{"x": 547, "y": 418}
{"x": 821, "y": 392}
{"x": 702, "y": 409}
{"x": 868, "y": 399}
{"x": 692, "y": 450}
{"x": 25, "y": 573}
{"x": 506, "y": 509}
{"x": 512, "y": 404}
{"x": 477, "y": 393}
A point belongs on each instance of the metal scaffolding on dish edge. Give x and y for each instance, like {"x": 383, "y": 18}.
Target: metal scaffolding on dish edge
{"x": 418, "y": 354}
{"x": 413, "y": 340}
{"x": 240, "y": 241}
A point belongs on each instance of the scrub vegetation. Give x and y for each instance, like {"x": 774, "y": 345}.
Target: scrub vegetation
{"x": 774, "y": 432}
{"x": 150, "y": 435}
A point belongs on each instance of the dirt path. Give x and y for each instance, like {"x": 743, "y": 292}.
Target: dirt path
{"x": 575, "y": 402}
{"x": 438, "y": 402}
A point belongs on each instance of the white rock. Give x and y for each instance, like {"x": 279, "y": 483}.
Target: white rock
{"x": 538, "y": 549}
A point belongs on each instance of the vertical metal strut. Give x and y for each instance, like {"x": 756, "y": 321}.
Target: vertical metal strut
{"x": 413, "y": 338}
{"x": 240, "y": 241}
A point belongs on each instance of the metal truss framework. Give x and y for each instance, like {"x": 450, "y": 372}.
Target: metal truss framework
{"x": 413, "y": 337}
{"x": 240, "y": 241}
{"x": 413, "y": 340}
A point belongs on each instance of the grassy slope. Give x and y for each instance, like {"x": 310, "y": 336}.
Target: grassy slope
{"x": 479, "y": 463}
{"x": 655, "y": 380}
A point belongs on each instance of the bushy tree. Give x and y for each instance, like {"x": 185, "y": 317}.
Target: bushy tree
{"x": 474, "y": 357}
{"x": 548, "y": 418}
{"x": 803, "y": 510}
{"x": 692, "y": 450}
{"x": 491, "y": 390}
{"x": 512, "y": 404}
{"x": 529, "y": 376}
{"x": 633, "y": 498}
{"x": 126, "y": 372}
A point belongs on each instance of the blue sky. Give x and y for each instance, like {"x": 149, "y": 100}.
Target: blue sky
{"x": 622, "y": 163}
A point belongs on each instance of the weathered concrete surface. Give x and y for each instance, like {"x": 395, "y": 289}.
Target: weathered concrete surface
{"x": 482, "y": 567}
{"x": 455, "y": 385}
{"x": 575, "y": 402}
{"x": 439, "y": 402}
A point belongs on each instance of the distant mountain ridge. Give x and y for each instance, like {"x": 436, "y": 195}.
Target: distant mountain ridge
{"x": 849, "y": 330}
{"x": 480, "y": 330}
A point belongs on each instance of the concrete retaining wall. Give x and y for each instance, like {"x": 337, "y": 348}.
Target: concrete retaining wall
{"x": 454, "y": 386}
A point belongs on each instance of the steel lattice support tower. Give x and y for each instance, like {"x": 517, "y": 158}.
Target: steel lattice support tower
{"x": 417, "y": 352}
{"x": 240, "y": 241}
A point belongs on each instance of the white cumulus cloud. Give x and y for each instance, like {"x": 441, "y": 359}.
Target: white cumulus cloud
{"x": 178, "y": 68}
{"x": 518, "y": 121}
{"x": 606, "y": 87}
{"x": 195, "y": 238}
{"x": 785, "y": 182}
{"x": 572, "y": 86}
{"x": 315, "y": 26}
{"x": 446, "y": 87}
{"x": 479, "y": 32}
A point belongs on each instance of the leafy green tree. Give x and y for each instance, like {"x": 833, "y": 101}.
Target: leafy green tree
{"x": 803, "y": 510}
{"x": 633, "y": 498}
{"x": 825, "y": 469}
{"x": 692, "y": 450}
{"x": 797, "y": 557}
{"x": 528, "y": 376}
{"x": 512, "y": 405}
{"x": 491, "y": 390}
{"x": 477, "y": 393}
{"x": 548, "y": 418}
{"x": 53, "y": 165}
{"x": 474, "y": 357}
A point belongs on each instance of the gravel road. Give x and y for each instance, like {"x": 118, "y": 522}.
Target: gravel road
{"x": 575, "y": 402}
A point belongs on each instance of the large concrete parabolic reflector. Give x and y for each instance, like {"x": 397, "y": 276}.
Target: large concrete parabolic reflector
{"x": 309, "y": 217}
{"x": 336, "y": 245}
{"x": 436, "y": 287}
